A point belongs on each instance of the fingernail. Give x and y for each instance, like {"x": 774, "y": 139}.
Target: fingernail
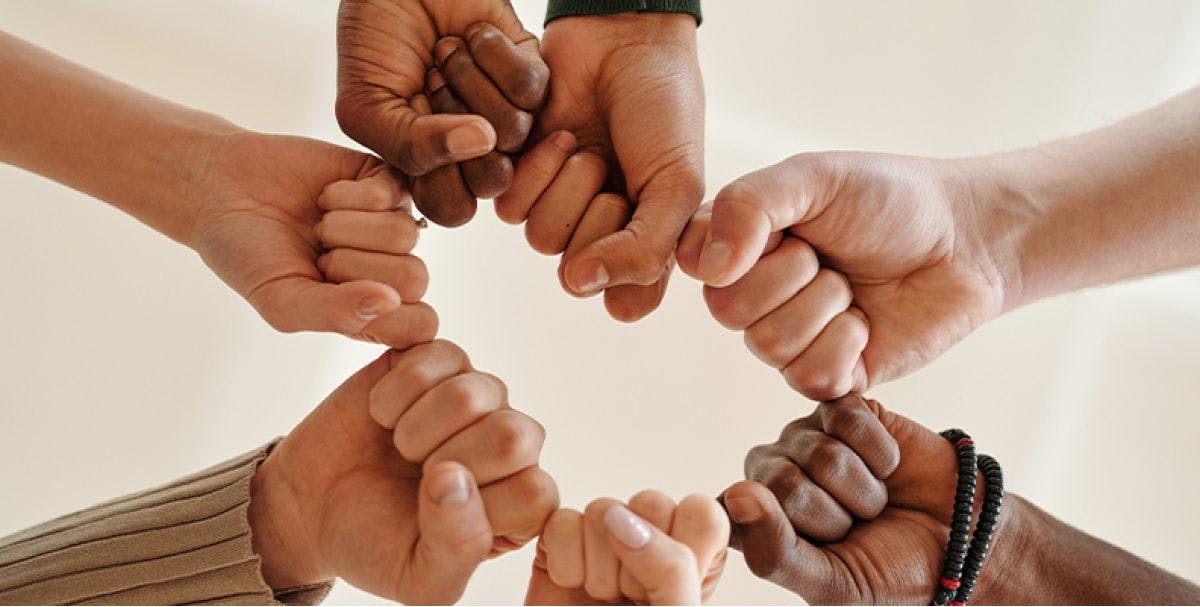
{"x": 743, "y": 510}
{"x": 450, "y": 488}
{"x": 595, "y": 277}
{"x": 468, "y": 141}
{"x": 373, "y": 306}
{"x": 627, "y": 527}
{"x": 714, "y": 260}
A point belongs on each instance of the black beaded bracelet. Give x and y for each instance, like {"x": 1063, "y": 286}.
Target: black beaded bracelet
{"x": 960, "y": 525}
{"x": 960, "y": 571}
{"x": 993, "y": 498}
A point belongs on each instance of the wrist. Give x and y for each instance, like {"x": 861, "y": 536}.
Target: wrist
{"x": 200, "y": 139}
{"x": 632, "y": 28}
{"x": 286, "y": 547}
{"x": 1012, "y": 569}
{"x": 1001, "y": 221}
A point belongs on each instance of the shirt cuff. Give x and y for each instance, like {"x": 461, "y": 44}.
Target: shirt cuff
{"x": 570, "y": 8}
{"x": 187, "y": 542}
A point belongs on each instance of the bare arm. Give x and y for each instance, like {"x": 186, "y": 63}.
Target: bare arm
{"x": 133, "y": 150}
{"x": 1109, "y": 205}
{"x": 1043, "y": 560}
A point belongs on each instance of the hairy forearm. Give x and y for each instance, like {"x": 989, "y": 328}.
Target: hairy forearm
{"x": 1039, "y": 560}
{"x": 135, "y": 151}
{"x": 1113, "y": 204}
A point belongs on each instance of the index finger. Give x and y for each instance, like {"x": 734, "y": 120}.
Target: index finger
{"x": 747, "y": 211}
{"x": 519, "y": 72}
{"x": 849, "y": 420}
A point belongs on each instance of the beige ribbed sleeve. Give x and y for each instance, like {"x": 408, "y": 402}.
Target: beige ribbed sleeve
{"x": 187, "y": 542}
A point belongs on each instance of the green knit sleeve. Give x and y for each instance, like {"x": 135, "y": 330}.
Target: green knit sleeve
{"x": 570, "y": 8}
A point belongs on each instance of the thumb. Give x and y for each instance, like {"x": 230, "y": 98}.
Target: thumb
{"x": 642, "y": 253}
{"x": 298, "y": 303}
{"x": 416, "y": 144}
{"x": 747, "y": 211}
{"x": 771, "y": 546}
{"x": 666, "y": 568}
{"x": 455, "y": 536}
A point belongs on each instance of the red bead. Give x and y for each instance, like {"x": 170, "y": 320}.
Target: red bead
{"x": 964, "y": 441}
{"x": 957, "y": 603}
{"x": 950, "y": 584}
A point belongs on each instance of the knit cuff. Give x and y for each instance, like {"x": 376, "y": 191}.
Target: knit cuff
{"x": 570, "y": 8}
{"x": 187, "y": 542}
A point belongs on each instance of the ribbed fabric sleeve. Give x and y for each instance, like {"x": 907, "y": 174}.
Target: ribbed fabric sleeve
{"x": 187, "y": 542}
{"x": 571, "y": 8}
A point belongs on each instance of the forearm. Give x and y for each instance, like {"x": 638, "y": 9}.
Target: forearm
{"x": 1038, "y": 559}
{"x": 135, "y": 151}
{"x": 1113, "y": 204}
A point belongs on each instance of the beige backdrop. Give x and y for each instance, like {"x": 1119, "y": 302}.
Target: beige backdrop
{"x": 125, "y": 363}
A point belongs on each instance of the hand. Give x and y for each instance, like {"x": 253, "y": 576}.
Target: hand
{"x": 649, "y": 552}
{"x": 849, "y": 269}
{"x": 854, "y": 506}
{"x": 261, "y": 226}
{"x": 389, "y": 101}
{"x": 627, "y": 88}
{"x": 335, "y": 499}
{"x": 486, "y": 73}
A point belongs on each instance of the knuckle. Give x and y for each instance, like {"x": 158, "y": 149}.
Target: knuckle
{"x": 542, "y": 238}
{"x": 846, "y": 420}
{"x": 377, "y": 404}
{"x": 595, "y": 510}
{"x": 414, "y": 277}
{"x": 335, "y": 259}
{"x": 756, "y": 464}
{"x": 444, "y": 348}
{"x": 815, "y": 382}
{"x": 538, "y": 495}
{"x": 422, "y": 374}
{"x": 563, "y": 523}
{"x": 829, "y": 458}
{"x": 514, "y": 128}
{"x": 785, "y": 483}
{"x": 835, "y": 281}
{"x": 516, "y": 438}
{"x": 767, "y": 342}
{"x": 874, "y": 501}
{"x": 486, "y": 40}
{"x": 457, "y": 65}
{"x": 739, "y": 193}
{"x": 401, "y": 231}
{"x": 728, "y": 308}
{"x": 424, "y": 326}
{"x": 528, "y": 86}
{"x": 463, "y": 396}
{"x": 404, "y": 443}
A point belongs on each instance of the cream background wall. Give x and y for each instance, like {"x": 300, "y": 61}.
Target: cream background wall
{"x": 125, "y": 363}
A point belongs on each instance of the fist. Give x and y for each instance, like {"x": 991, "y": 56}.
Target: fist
{"x": 440, "y": 409}
{"x": 485, "y": 74}
{"x": 649, "y": 551}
